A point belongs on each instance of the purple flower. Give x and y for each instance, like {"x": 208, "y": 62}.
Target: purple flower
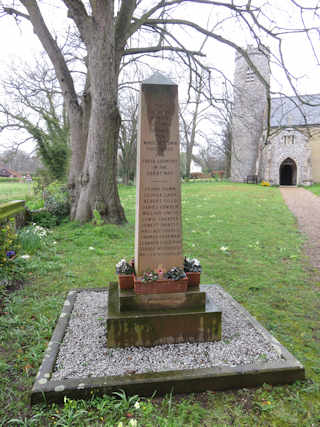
{"x": 11, "y": 254}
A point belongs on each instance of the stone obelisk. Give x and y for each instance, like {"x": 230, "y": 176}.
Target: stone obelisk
{"x": 158, "y": 236}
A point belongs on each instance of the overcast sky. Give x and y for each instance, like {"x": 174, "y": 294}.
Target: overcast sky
{"x": 20, "y": 45}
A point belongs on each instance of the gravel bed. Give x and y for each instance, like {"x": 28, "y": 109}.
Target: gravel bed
{"x": 83, "y": 352}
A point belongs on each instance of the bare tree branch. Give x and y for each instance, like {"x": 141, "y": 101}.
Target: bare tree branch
{"x": 16, "y": 13}
{"x": 53, "y": 52}
{"x": 217, "y": 37}
{"x": 139, "y": 50}
{"x": 122, "y": 30}
{"x": 78, "y": 13}
{"x": 304, "y": 7}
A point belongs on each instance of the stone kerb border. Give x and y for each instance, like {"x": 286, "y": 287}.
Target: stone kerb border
{"x": 284, "y": 371}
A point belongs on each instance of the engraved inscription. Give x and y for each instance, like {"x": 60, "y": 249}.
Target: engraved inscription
{"x": 160, "y": 109}
{"x": 161, "y": 231}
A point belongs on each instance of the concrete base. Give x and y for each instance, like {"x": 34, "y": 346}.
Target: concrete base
{"x": 283, "y": 371}
{"x": 164, "y": 319}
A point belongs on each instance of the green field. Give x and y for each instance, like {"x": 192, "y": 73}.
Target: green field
{"x": 247, "y": 241}
{"x": 15, "y": 191}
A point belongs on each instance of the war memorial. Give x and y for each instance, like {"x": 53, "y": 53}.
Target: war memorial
{"x": 161, "y": 313}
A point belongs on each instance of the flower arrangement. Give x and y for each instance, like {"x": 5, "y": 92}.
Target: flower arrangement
{"x": 123, "y": 267}
{"x": 192, "y": 265}
{"x": 125, "y": 274}
{"x": 175, "y": 273}
{"x": 174, "y": 280}
{"x": 192, "y": 268}
{"x": 149, "y": 276}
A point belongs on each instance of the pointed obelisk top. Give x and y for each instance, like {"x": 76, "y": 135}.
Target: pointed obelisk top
{"x": 158, "y": 79}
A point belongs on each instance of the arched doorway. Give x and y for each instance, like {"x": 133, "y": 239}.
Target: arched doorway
{"x": 288, "y": 172}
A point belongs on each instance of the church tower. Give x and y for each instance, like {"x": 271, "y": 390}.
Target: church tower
{"x": 249, "y": 115}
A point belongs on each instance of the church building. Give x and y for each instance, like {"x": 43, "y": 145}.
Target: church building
{"x": 273, "y": 139}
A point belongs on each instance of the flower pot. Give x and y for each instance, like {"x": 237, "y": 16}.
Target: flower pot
{"x": 125, "y": 281}
{"x": 160, "y": 286}
{"x": 193, "y": 278}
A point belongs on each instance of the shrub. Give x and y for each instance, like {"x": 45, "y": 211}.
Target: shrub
{"x": 33, "y": 203}
{"x": 56, "y": 200}
{"x": 43, "y": 217}
{"x": 41, "y": 182}
{"x": 8, "y": 179}
{"x": 51, "y": 205}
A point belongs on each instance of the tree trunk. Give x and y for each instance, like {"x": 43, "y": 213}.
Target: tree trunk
{"x": 79, "y": 129}
{"x": 94, "y": 125}
{"x": 190, "y": 144}
{"x": 126, "y": 177}
{"x": 188, "y": 160}
{"x": 191, "y": 139}
{"x": 78, "y": 143}
{"x": 98, "y": 189}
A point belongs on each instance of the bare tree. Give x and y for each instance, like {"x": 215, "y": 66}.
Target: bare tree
{"x": 191, "y": 115}
{"x": 20, "y": 161}
{"x": 37, "y": 108}
{"x": 110, "y": 35}
{"x": 206, "y": 123}
{"x": 224, "y": 113}
{"x": 227, "y": 147}
{"x": 211, "y": 159}
{"x": 128, "y": 137}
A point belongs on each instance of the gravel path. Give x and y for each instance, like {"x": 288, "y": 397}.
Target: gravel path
{"x": 306, "y": 208}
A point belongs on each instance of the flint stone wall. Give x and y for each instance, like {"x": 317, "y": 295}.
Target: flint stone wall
{"x": 277, "y": 151}
{"x": 249, "y": 113}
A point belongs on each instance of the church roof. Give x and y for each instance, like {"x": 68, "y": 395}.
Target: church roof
{"x": 290, "y": 111}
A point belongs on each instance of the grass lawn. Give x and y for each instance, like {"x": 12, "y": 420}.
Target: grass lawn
{"x": 15, "y": 191}
{"x": 246, "y": 240}
{"x": 315, "y": 188}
